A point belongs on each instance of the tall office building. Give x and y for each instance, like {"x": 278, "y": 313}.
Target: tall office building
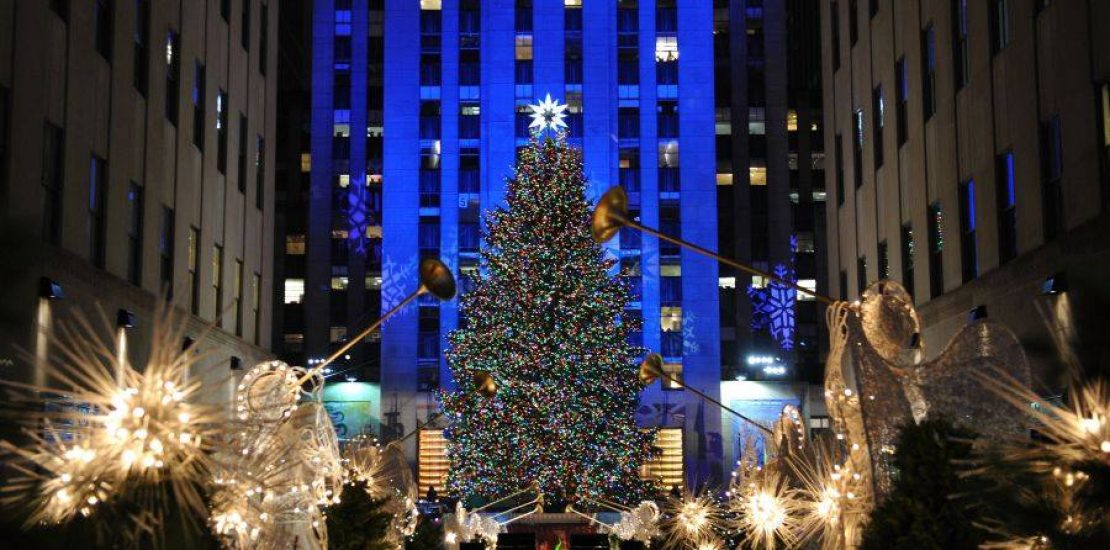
{"x": 135, "y": 161}
{"x": 971, "y": 155}
{"x": 770, "y": 177}
{"x": 417, "y": 111}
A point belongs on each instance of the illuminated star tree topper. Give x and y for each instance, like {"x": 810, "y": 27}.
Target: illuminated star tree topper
{"x": 547, "y": 114}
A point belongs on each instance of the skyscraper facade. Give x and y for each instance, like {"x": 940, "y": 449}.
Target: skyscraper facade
{"x": 417, "y": 111}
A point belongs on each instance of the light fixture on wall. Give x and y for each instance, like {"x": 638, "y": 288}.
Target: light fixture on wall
{"x": 1057, "y": 283}
{"x": 50, "y": 289}
{"x": 125, "y": 319}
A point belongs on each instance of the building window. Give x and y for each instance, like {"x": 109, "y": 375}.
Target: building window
{"x": 969, "y": 261}
{"x": 53, "y": 161}
{"x": 165, "y": 252}
{"x": 928, "y": 71}
{"x": 834, "y": 12}
{"x": 857, "y": 148}
{"x": 1104, "y": 108}
{"x": 225, "y": 10}
{"x": 245, "y": 29}
{"x": 194, "y": 272}
{"x": 141, "y": 56}
{"x": 1007, "y": 207}
{"x": 5, "y": 136}
{"x": 673, "y": 381}
{"x": 173, "y": 74}
{"x": 843, "y": 285}
{"x": 884, "y": 261}
{"x": 960, "y": 57}
{"x": 217, "y": 282}
{"x": 103, "y": 15}
{"x": 60, "y": 8}
{"x": 853, "y": 22}
{"x": 861, "y": 274}
{"x": 1053, "y": 162}
{"x": 293, "y": 292}
{"x": 878, "y": 121}
{"x": 936, "y": 249}
{"x": 903, "y": 93}
{"x": 295, "y": 245}
{"x": 1000, "y": 25}
{"x": 221, "y": 131}
{"x": 241, "y": 168}
{"x": 98, "y": 198}
{"x": 259, "y": 172}
{"x": 907, "y": 258}
{"x": 256, "y": 303}
{"x": 667, "y": 119}
{"x": 469, "y": 121}
{"x": 666, "y": 470}
{"x": 431, "y": 458}
{"x": 872, "y": 8}
{"x": 263, "y": 38}
{"x": 135, "y": 233}
{"x": 198, "y": 105}
{"x": 838, "y": 158}
{"x": 237, "y": 296}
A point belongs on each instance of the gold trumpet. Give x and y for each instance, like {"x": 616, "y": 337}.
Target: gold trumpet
{"x": 611, "y": 214}
{"x": 651, "y": 369}
{"x": 435, "y": 279}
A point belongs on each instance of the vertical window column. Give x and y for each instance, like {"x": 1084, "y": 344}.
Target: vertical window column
{"x": 969, "y": 260}
{"x": 1007, "y": 207}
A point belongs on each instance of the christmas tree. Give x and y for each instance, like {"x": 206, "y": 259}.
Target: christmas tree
{"x": 544, "y": 322}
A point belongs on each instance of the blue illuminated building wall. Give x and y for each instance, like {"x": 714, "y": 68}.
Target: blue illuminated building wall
{"x": 417, "y": 109}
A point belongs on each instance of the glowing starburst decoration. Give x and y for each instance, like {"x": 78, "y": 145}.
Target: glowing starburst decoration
{"x": 692, "y": 520}
{"x": 548, "y": 114}
{"x": 110, "y": 433}
{"x": 767, "y": 512}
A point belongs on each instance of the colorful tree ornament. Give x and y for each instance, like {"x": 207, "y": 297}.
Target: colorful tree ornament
{"x": 544, "y": 321}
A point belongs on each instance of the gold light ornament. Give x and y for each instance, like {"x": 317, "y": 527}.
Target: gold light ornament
{"x": 106, "y": 432}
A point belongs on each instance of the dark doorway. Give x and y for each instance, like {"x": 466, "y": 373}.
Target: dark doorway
{"x": 516, "y": 541}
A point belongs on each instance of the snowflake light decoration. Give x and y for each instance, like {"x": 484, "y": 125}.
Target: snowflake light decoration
{"x": 548, "y": 114}
{"x": 773, "y": 305}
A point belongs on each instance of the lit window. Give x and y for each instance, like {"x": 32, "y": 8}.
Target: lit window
{"x": 757, "y": 175}
{"x": 339, "y": 283}
{"x": 431, "y": 4}
{"x": 668, "y": 154}
{"x": 666, "y": 469}
{"x": 724, "y": 179}
{"x": 373, "y": 232}
{"x": 791, "y": 120}
{"x": 294, "y": 291}
{"x": 469, "y": 109}
{"x": 338, "y": 334}
{"x": 670, "y": 318}
{"x": 339, "y": 233}
{"x": 726, "y": 282}
{"x": 808, "y": 284}
{"x": 572, "y": 3}
{"x": 341, "y": 130}
{"x": 306, "y": 162}
{"x": 374, "y": 282}
{"x": 666, "y": 48}
{"x": 523, "y": 47}
{"x": 759, "y": 281}
{"x": 294, "y": 245}
{"x": 674, "y": 371}
{"x": 344, "y": 180}
{"x": 432, "y": 462}
{"x": 670, "y": 270}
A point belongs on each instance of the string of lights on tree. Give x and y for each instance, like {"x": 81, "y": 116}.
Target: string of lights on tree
{"x": 544, "y": 320}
